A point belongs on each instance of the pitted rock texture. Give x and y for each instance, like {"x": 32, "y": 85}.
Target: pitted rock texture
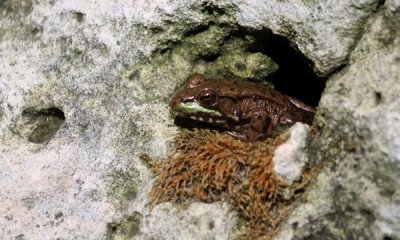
{"x": 111, "y": 68}
{"x": 325, "y": 31}
{"x": 357, "y": 194}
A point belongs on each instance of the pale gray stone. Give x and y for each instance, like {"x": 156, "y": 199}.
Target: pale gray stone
{"x": 112, "y": 66}
{"x": 357, "y": 193}
{"x": 290, "y": 157}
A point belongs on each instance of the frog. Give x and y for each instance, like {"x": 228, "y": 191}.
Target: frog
{"x": 247, "y": 110}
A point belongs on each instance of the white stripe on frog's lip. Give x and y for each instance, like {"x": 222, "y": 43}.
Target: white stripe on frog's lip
{"x": 218, "y": 114}
{"x": 194, "y": 107}
{"x": 220, "y": 121}
{"x": 235, "y": 118}
{"x": 193, "y": 117}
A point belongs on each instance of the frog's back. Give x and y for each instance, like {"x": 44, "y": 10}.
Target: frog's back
{"x": 244, "y": 89}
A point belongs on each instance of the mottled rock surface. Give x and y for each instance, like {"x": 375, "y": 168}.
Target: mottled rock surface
{"x": 84, "y": 88}
{"x": 357, "y": 195}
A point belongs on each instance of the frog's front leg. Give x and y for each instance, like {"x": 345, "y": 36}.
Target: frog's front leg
{"x": 246, "y": 135}
{"x": 259, "y": 121}
{"x": 272, "y": 129}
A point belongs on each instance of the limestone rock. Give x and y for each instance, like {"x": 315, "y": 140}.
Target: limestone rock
{"x": 357, "y": 194}
{"x": 290, "y": 157}
{"x": 99, "y": 74}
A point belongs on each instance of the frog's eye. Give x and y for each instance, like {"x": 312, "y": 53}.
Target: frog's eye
{"x": 208, "y": 97}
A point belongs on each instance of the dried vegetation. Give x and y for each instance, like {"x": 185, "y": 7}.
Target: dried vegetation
{"x": 210, "y": 166}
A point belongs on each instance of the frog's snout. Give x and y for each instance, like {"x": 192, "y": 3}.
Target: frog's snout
{"x": 175, "y": 102}
{"x": 178, "y": 100}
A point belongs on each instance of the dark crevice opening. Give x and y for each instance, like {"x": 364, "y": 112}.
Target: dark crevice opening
{"x": 79, "y": 16}
{"x": 378, "y": 98}
{"x": 380, "y": 5}
{"x": 210, "y": 58}
{"x": 53, "y": 111}
{"x": 388, "y": 238}
{"x": 196, "y": 30}
{"x": 42, "y": 124}
{"x": 212, "y": 9}
{"x": 295, "y": 76}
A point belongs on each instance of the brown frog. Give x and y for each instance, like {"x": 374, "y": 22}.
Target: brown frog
{"x": 249, "y": 110}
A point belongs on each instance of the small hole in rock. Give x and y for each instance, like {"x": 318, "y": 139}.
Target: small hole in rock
{"x": 40, "y": 125}
{"x": 210, "y": 58}
{"x": 295, "y": 225}
{"x": 211, "y": 225}
{"x": 196, "y": 30}
{"x": 35, "y": 31}
{"x": 112, "y": 227}
{"x": 211, "y": 9}
{"x": 299, "y": 191}
{"x": 80, "y": 17}
{"x": 378, "y": 98}
{"x": 240, "y": 66}
{"x": 387, "y": 238}
{"x": 368, "y": 215}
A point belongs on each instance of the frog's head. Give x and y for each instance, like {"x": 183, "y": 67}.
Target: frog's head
{"x": 200, "y": 100}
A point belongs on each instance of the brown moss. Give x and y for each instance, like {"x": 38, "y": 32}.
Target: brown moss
{"x": 210, "y": 166}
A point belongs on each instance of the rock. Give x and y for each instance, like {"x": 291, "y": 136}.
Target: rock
{"x": 290, "y": 157}
{"x": 324, "y": 31}
{"x": 357, "y": 194}
{"x": 198, "y": 221}
{"x": 255, "y": 66}
{"x": 108, "y": 69}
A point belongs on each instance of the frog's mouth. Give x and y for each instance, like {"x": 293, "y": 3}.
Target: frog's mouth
{"x": 195, "y": 111}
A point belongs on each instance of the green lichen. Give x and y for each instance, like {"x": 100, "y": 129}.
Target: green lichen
{"x": 15, "y": 7}
{"x": 132, "y": 132}
{"x": 29, "y": 203}
{"x": 127, "y": 228}
{"x": 244, "y": 65}
{"x": 215, "y": 51}
{"x": 207, "y": 43}
{"x": 15, "y": 11}
{"x": 122, "y": 187}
